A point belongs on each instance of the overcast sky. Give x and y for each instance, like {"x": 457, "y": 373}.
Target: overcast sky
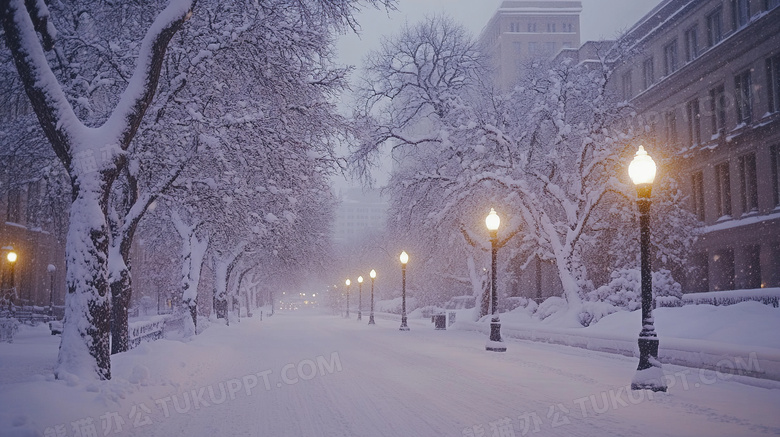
{"x": 600, "y": 19}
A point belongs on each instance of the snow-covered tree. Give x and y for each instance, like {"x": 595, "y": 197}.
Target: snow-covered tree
{"x": 90, "y": 103}
{"x": 552, "y": 152}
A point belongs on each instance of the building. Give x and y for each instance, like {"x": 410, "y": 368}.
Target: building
{"x": 704, "y": 76}
{"x": 38, "y": 275}
{"x": 358, "y": 214}
{"x": 522, "y": 30}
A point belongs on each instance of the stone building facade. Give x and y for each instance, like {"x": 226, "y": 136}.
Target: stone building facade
{"x": 704, "y": 77}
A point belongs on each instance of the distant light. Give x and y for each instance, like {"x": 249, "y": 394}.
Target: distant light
{"x": 348, "y": 282}
{"x": 404, "y": 257}
{"x": 360, "y": 279}
{"x": 372, "y": 274}
{"x": 11, "y": 256}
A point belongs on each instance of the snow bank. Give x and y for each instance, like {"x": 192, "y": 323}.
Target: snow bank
{"x": 737, "y": 339}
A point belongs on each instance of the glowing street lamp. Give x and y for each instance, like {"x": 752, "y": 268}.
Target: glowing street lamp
{"x": 495, "y": 343}
{"x": 347, "y": 282}
{"x": 649, "y": 374}
{"x": 360, "y": 298}
{"x": 11, "y": 257}
{"x": 372, "y": 274}
{"x": 404, "y": 259}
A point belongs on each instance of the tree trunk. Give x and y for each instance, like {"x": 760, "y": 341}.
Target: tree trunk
{"x": 84, "y": 350}
{"x": 121, "y": 292}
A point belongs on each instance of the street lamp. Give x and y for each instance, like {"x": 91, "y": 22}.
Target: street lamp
{"x": 51, "y": 268}
{"x": 11, "y": 257}
{"x": 495, "y": 343}
{"x": 404, "y": 259}
{"x": 649, "y": 374}
{"x": 372, "y": 274}
{"x": 348, "y": 282}
{"x": 360, "y": 298}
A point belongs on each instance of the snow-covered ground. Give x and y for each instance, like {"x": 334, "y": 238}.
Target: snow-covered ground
{"x": 309, "y": 374}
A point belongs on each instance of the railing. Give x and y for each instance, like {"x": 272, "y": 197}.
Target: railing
{"x": 154, "y": 329}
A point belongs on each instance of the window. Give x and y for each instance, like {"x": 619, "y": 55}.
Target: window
{"x": 549, "y": 47}
{"x": 670, "y": 58}
{"x": 533, "y": 47}
{"x": 550, "y": 27}
{"x": 697, "y": 182}
{"x": 566, "y": 45}
{"x": 718, "y": 108}
{"x": 723, "y": 190}
{"x": 532, "y": 27}
{"x": 715, "y": 27}
{"x": 513, "y": 27}
{"x": 671, "y": 127}
{"x": 691, "y": 43}
{"x": 648, "y": 76}
{"x": 744, "y": 97}
{"x": 567, "y": 27}
{"x": 750, "y": 268}
{"x": 748, "y": 184}
{"x": 775, "y": 157}
{"x": 694, "y": 122}
{"x": 773, "y": 83}
{"x": 740, "y": 12}
{"x": 626, "y": 84}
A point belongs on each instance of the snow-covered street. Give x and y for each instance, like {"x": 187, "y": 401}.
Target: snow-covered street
{"x": 311, "y": 374}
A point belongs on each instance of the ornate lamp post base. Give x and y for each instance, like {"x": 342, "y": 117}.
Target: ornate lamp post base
{"x": 649, "y": 374}
{"x": 495, "y": 343}
{"x": 371, "y": 319}
{"x": 404, "y": 326}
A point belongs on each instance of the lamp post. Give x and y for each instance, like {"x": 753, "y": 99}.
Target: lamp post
{"x": 347, "y": 282}
{"x": 51, "y": 268}
{"x": 404, "y": 259}
{"x": 11, "y": 257}
{"x": 360, "y": 298}
{"x": 495, "y": 343}
{"x": 372, "y": 274}
{"x": 649, "y": 374}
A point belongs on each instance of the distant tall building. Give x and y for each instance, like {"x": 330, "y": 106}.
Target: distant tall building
{"x": 523, "y": 29}
{"x": 358, "y": 214}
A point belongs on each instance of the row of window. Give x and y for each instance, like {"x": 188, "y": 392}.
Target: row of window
{"x": 722, "y": 270}
{"x": 551, "y": 27}
{"x": 717, "y": 105}
{"x": 714, "y": 29}
{"x": 748, "y": 186}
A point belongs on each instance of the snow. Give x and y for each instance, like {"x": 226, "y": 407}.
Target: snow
{"x": 308, "y": 374}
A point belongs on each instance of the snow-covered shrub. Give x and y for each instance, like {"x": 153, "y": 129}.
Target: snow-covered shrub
{"x": 592, "y": 312}
{"x": 510, "y": 303}
{"x": 8, "y": 328}
{"x": 394, "y": 305}
{"x": 624, "y": 290}
{"x": 550, "y": 306}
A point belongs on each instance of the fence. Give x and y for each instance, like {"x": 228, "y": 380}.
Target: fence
{"x": 153, "y": 329}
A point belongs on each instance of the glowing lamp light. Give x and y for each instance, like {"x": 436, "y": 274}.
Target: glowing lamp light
{"x": 360, "y": 279}
{"x": 347, "y": 282}
{"x": 372, "y": 274}
{"x": 404, "y": 257}
{"x": 11, "y": 257}
{"x": 642, "y": 168}
{"x": 492, "y": 221}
